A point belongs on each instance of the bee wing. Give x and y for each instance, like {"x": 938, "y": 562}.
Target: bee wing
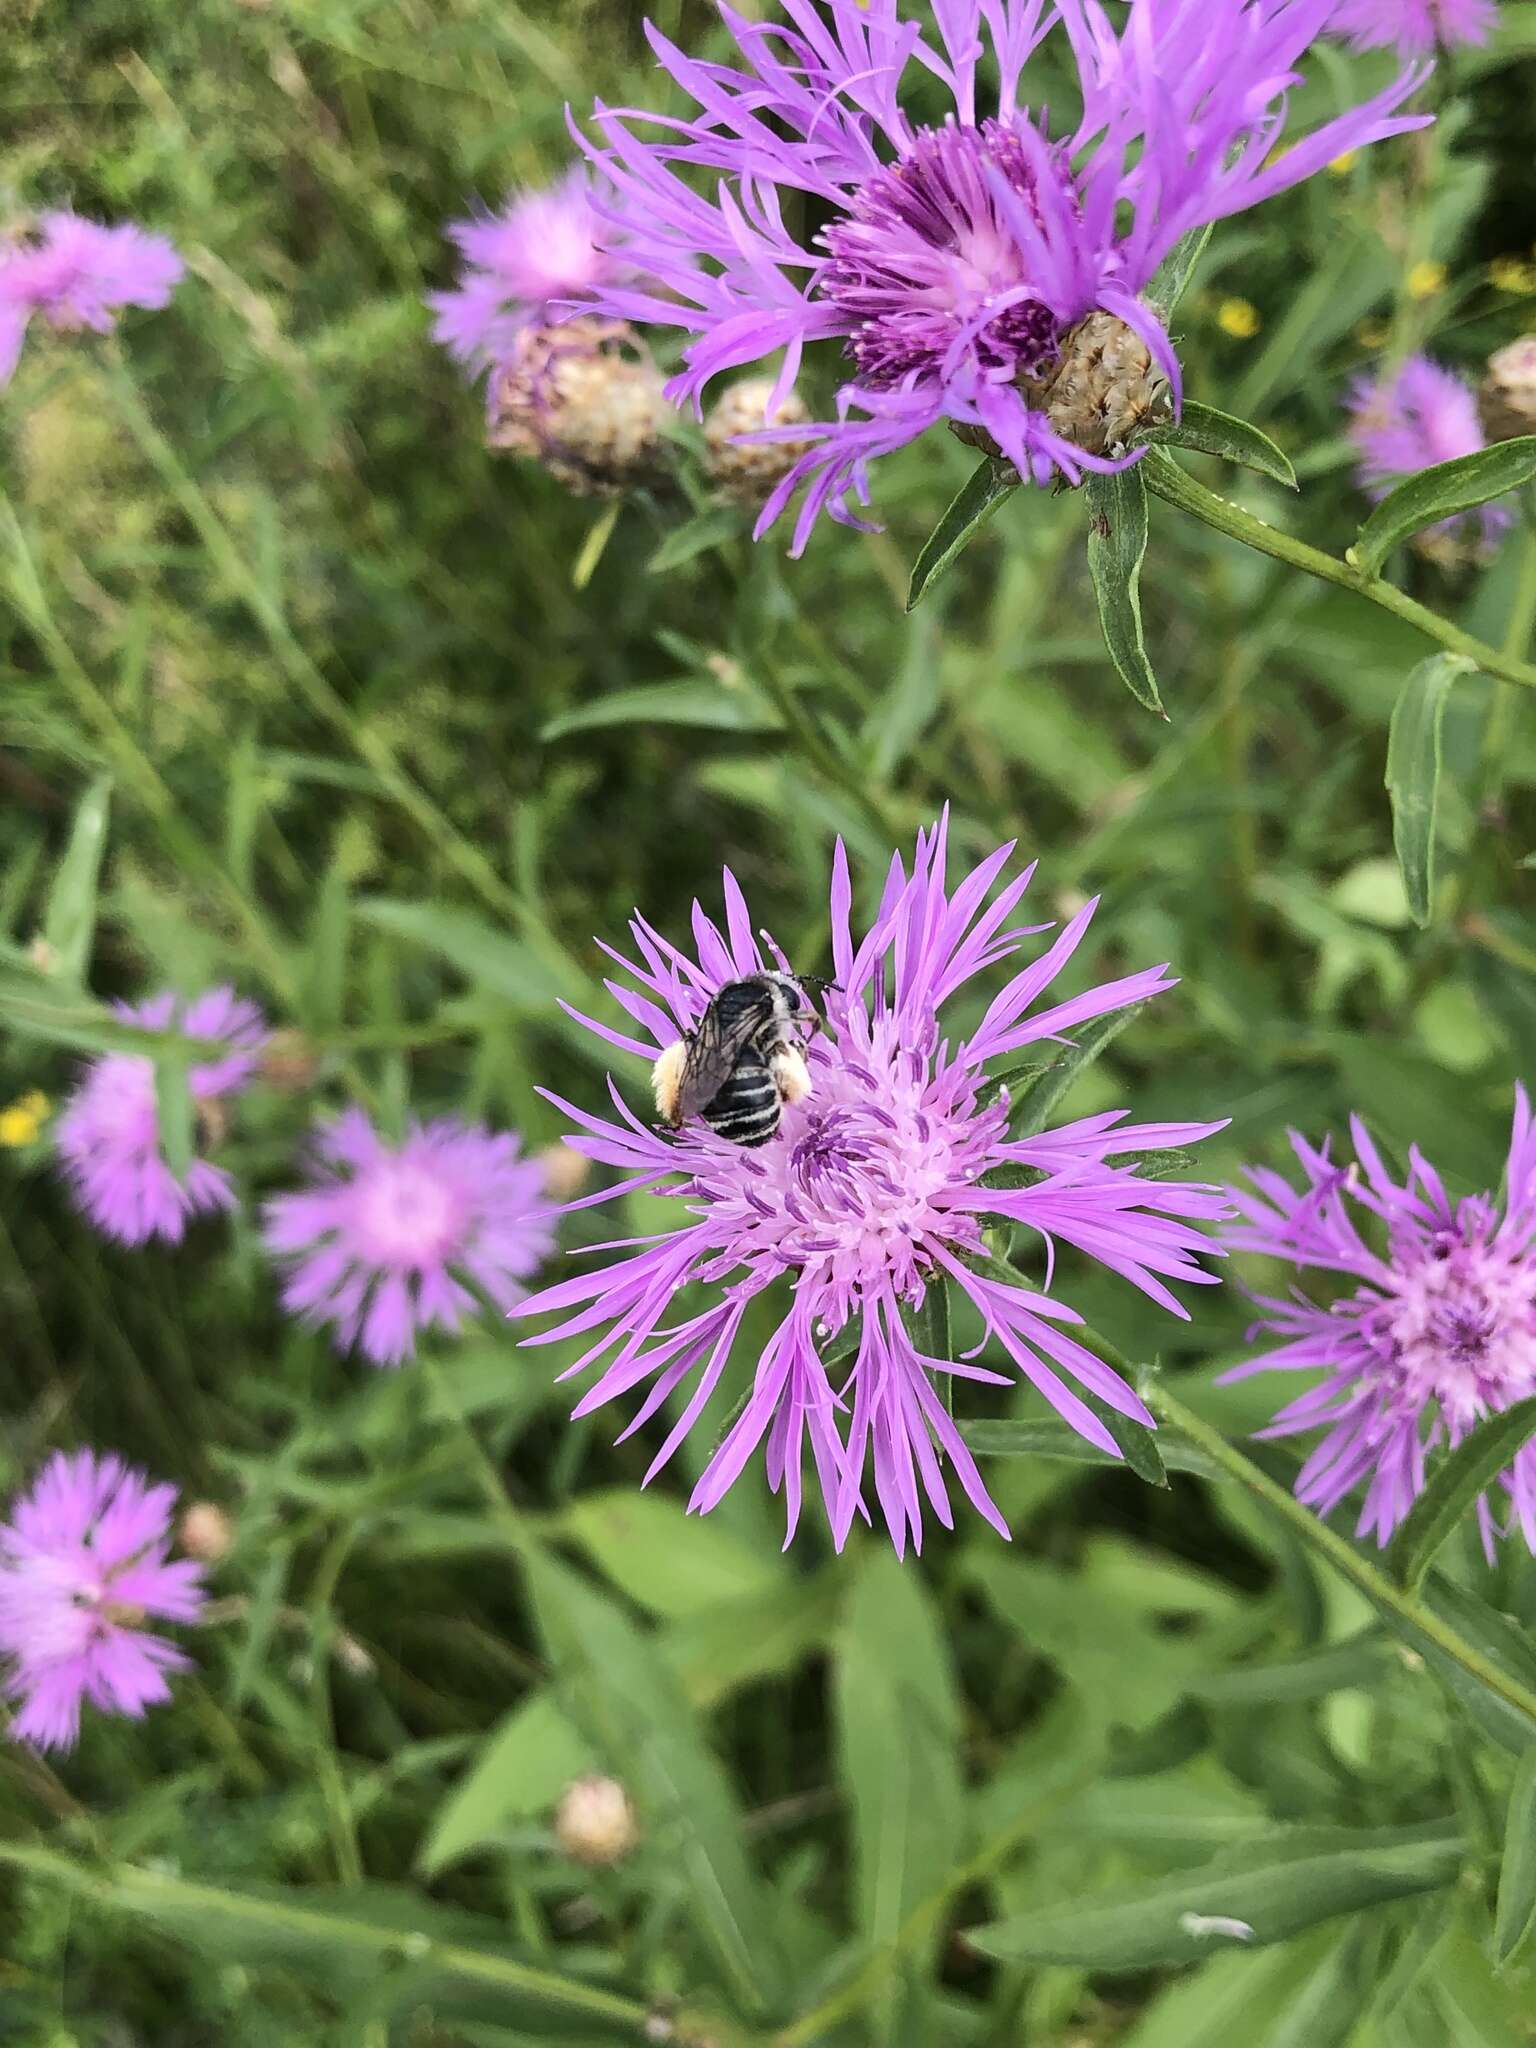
{"x": 712, "y": 1058}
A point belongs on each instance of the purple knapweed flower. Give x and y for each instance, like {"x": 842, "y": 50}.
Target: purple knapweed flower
{"x": 1410, "y": 418}
{"x": 74, "y": 273}
{"x": 84, "y": 1563}
{"x": 879, "y": 1185}
{"x": 1415, "y": 28}
{"x": 109, "y": 1135}
{"x": 527, "y": 265}
{"x": 976, "y": 265}
{"x": 389, "y": 1240}
{"x": 1439, "y": 1331}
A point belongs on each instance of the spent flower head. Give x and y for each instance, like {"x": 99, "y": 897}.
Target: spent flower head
{"x": 1409, "y": 418}
{"x": 585, "y": 402}
{"x": 109, "y": 1137}
{"x": 73, "y": 273}
{"x": 877, "y": 1189}
{"x": 1438, "y": 1332}
{"x": 961, "y": 253}
{"x": 390, "y": 1240}
{"x": 84, "y": 1564}
{"x": 523, "y": 267}
{"x": 1415, "y": 28}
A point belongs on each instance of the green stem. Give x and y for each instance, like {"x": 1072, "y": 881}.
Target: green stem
{"x": 152, "y": 1892}
{"x": 321, "y": 695}
{"x": 1176, "y": 487}
{"x": 1387, "y": 1598}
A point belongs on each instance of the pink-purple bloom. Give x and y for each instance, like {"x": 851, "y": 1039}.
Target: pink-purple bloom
{"x": 544, "y": 253}
{"x": 1438, "y": 1332}
{"x": 880, "y": 1186}
{"x": 74, "y": 273}
{"x": 84, "y": 1563}
{"x": 957, "y": 253}
{"x": 1410, "y": 418}
{"x": 1415, "y": 28}
{"x": 109, "y": 1137}
{"x": 390, "y": 1240}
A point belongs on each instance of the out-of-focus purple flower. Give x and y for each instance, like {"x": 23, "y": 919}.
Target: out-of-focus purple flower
{"x": 388, "y": 1240}
{"x": 879, "y": 1185}
{"x": 1439, "y": 1331}
{"x": 84, "y": 1563}
{"x": 109, "y": 1135}
{"x": 960, "y": 257}
{"x": 543, "y": 253}
{"x": 1415, "y": 28}
{"x": 1409, "y": 418}
{"x": 74, "y": 273}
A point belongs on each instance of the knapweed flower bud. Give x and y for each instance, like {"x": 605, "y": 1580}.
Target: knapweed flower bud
{"x": 584, "y": 401}
{"x": 595, "y": 1823}
{"x": 206, "y": 1532}
{"x": 746, "y": 471}
{"x": 1506, "y": 398}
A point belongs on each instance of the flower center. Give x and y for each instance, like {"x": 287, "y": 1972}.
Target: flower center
{"x": 407, "y": 1215}
{"x": 1462, "y": 1331}
{"x": 925, "y": 263}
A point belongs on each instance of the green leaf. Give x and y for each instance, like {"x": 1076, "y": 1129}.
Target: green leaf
{"x": 1273, "y": 1888}
{"x": 1364, "y": 1661}
{"x": 1211, "y": 432}
{"x": 675, "y": 1565}
{"x": 1117, "y": 542}
{"x": 1516, "y": 1911}
{"x": 480, "y": 952}
{"x": 1438, "y": 492}
{"x": 175, "y": 1111}
{"x": 898, "y": 1732}
{"x": 990, "y": 482}
{"x": 593, "y": 548}
{"x": 1176, "y": 269}
{"x": 1033, "y": 1100}
{"x": 1495, "y": 1637}
{"x": 622, "y": 1695}
{"x": 524, "y": 1764}
{"x": 695, "y": 537}
{"x": 1008, "y": 1439}
{"x": 69, "y": 920}
{"x": 1413, "y": 773}
{"x": 705, "y": 707}
{"x": 1453, "y": 1492}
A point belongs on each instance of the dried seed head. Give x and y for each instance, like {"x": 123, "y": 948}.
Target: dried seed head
{"x": 566, "y": 1172}
{"x": 1101, "y": 393}
{"x": 1506, "y": 398}
{"x": 746, "y": 471}
{"x": 585, "y": 402}
{"x": 595, "y": 1823}
{"x": 206, "y": 1532}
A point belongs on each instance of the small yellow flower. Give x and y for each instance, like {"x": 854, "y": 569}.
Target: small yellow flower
{"x": 1341, "y": 166}
{"x": 1425, "y": 279}
{"x": 1238, "y": 318}
{"x": 1373, "y": 334}
{"x": 1512, "y": 274}
{"x": 22, "y": 1121}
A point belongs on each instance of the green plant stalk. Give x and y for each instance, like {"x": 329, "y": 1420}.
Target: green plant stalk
{"x": 1176, "y": 487}
{"x": 1342, "y": 1555}
{"x": 301, "y": 670}
{"x": 135, "y": 1890}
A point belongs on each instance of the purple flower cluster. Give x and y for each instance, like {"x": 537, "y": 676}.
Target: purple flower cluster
{"x": 1415, "y": 28}
{"x": 84, "y": 1563}
{"x": 73, "y": 273}
{"x": 880, "y": 1186}
{"x": 109, "y": 1137}
{"x": 1438, "y": 1332}
{"x": 390, "y": 1240}
{"x": 1410, "y": 418}
{"x": 960, "y": 253}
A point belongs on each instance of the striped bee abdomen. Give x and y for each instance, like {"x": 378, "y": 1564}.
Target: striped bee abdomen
{"x": 746, "y": 1110}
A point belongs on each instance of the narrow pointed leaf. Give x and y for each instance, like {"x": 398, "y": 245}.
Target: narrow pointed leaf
{"x": 1005, "y": 1438}
{"x": 973, "y": 505}
{"x": 1516, "y": 1911}
{"x": 1117, "y": 542}
{"x": 1037, "y": 1094}
{"x": 1438, "y": 493}
{"x": 1172, "y": 275}
{"x": 1453, "y": 1491}
{"x": 1413, "y": 774}
{"x": 69, "y": 921}
{"x": 1210, "y": 432}
{"x": 174, "y": 1109}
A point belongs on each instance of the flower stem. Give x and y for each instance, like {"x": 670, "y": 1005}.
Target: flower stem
{"x": 1390, "y": 1599}
{"x": 1175, "y": 486}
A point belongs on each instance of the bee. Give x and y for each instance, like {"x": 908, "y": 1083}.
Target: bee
{"x": 743, "y": 1060}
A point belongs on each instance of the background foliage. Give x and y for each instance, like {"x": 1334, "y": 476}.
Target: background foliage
{"x": 304, "y": 689}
